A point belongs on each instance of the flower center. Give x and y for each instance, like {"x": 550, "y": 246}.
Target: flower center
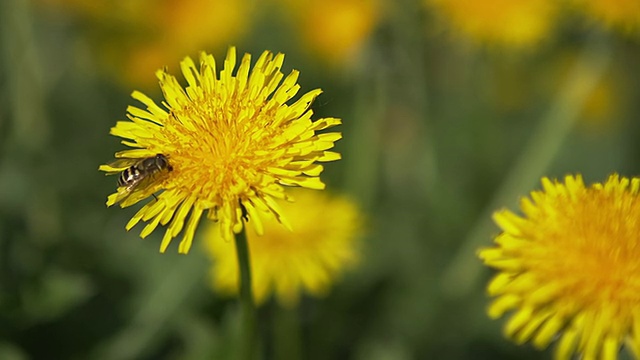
{"x": 590, "y": 246}
{"x": 218, "y": 146}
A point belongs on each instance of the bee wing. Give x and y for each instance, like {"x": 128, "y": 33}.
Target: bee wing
{"x": 119, "y": 165}
{"x": 136, "y": 191}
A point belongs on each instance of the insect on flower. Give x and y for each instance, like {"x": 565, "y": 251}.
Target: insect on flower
{"x": 139, "y": 171}
{"x": 235, "y": 138}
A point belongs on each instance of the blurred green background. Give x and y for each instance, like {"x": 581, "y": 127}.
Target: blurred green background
{"x": 443, "y": 124}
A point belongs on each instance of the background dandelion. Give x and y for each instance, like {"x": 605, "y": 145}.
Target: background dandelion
{"x": 439, "y": 132}
{"x": 622, "y": 15}
{"x": 334, "y": 32}
{"x": 323, "y": 245}
{"x": 128, "y": 38}
{"x": 513, "y": 24}
{"x": 567, "y": 267}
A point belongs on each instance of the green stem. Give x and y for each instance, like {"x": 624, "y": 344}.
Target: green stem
{"x": 248, "y": 331}
{"x": 460, "y": 277}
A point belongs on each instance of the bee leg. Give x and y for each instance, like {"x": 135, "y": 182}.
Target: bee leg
{"x": 154, "y": 196}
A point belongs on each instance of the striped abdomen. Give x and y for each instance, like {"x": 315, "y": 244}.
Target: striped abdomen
{"x": 129, "y": 176}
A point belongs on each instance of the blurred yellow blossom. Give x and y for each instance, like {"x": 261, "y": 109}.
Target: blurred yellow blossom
{"x": 335, "y": 30}
{"x": 322, "y": 245}
{"x": 569, "y": 268}
{"x": 231, "y": 142}
{"x": 619, "y": 14}
{"x": 601, "y": 105}
{"x": 603, "y": 102}
{"x": 498, "y": 22}
{"x": 131, "y": 37}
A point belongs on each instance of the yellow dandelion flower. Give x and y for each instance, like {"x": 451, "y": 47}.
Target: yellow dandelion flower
{"x": 231, "y": 143}
{"x": 335, "y": 29}
{"x": 180, "y": 27}
{"x": 569, "y": 268}
{"x": 131, "y": 37}
{"x": 619, "y": 14}
{"x": 603, "y": 102}
{"x": 500, "y": 22}
{"x": 321, "y": 246}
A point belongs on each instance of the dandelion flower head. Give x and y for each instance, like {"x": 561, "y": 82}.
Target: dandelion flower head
{"x": 233, "y": 141}
{"x": 569, "y": 269}
{"x": 498, "y": 22}
{"x": 322, "y": 245}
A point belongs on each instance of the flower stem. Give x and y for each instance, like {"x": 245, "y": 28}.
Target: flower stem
{"x": 248, "y": 331}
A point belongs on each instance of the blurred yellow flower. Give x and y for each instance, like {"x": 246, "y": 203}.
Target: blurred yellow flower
{"x": 569, "y": 268}
{"x": 602, "y": 104}
{"x": 322, "y": 245}
{"x": 231, "y": 142}
{"x": 134, "y": 36}
{"x": 499, "y": 22}
{"x": 620, "y": 14}
{"x": 335, "y": 30}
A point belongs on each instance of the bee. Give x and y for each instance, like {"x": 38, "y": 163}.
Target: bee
{"x": 142, "y": 169}
{"x": 137, "y": 171}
